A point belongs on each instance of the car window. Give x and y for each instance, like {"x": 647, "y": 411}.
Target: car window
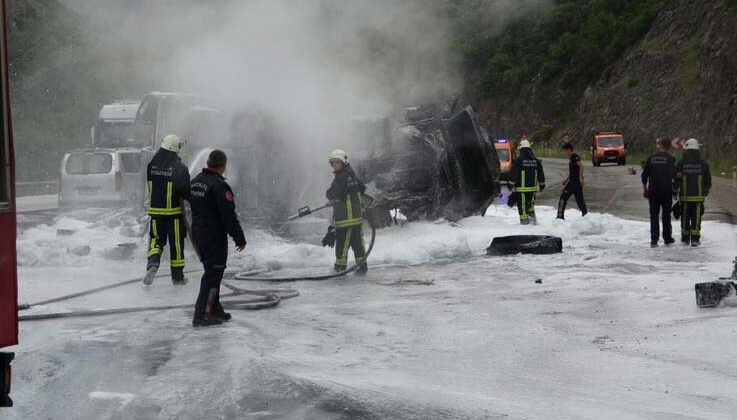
{"x": 130, "y": 163}
{"x": 89, "y": 163}
{"x": 503, "y": 154}
{"x": 610, "y": 141}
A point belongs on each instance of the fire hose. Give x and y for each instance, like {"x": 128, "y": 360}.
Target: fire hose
{"x": 266, "y": 298}
{"x": 302, "y": 212}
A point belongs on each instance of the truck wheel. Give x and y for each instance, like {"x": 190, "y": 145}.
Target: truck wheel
{"x": 623, "y": 161}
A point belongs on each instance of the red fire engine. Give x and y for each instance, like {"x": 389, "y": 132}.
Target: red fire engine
{"x": 8, "y": 273}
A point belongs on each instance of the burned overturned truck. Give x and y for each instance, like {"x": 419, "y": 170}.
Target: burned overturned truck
{"x": 431, "y": 167}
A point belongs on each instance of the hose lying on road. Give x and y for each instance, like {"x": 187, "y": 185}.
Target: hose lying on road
{"x": 266, "y": 299}
{"x": 248, "y": 276}
{"x": 91, "y": 291}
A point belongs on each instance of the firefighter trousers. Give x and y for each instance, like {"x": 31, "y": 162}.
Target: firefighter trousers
{"x": 208, "y": 300}
{"x": 691, "y": 213}
{"x": 347, "y": 238}
{"x": 526, "y": 206}
{"x": 575, "y": 190}
{"x": 173, "y": 230}
{"x": 660, "y": 207}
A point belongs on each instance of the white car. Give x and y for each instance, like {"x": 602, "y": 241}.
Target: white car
{"x": 92, "y": 177}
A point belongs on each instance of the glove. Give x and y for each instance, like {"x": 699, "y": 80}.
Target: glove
{"x": 329, "y": 239}
{"x": 646, "y": 194}
{"x": 542, "y": 187}
{"x": 676, "y": 210}
{"x": 512, "y": 200}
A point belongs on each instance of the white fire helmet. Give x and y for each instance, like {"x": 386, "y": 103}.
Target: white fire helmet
{"x": 691, "y": 144}
{"x": 173, "y": 143}
{"x": 338, "y": 154}
{"x": 525, "y": 144}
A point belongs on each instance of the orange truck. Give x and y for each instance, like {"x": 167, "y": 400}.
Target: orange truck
{"x": 608, "y": 147}
{"x": 505, "y": 152}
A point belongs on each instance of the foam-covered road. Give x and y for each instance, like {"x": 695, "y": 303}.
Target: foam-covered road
{"x": 435, "y": 331}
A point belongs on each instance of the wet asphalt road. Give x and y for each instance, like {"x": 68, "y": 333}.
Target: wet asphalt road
{"x": 467, "y": 340}
{"x": 613, "y": 189}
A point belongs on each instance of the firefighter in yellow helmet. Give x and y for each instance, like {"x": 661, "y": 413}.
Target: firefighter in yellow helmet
{"x": 346, "y": 194}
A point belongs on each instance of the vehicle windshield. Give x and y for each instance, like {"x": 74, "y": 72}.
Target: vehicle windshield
{"x": 117, "y": 134}
{"x": 609, "y": 141}
{"x": 503, "y": 154}
{"x": 89, "y": 163}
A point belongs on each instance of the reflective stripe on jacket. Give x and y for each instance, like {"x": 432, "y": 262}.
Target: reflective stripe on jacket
{"x": 527, "y": 172}
{"x": 168, "y": 183}
{"x": 693, "y": 178}
{"x": 346, "y": 193}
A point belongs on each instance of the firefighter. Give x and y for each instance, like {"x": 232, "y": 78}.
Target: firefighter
{"x": 168, "y": 187}
{"x": 346, "y": 194}
{"x": 213, "y": 219}
{"x": 573, "y": 185}
{"x": 658, "y": 173}
{"x": 527, "y": 179}
{"x": 693, "y": 182}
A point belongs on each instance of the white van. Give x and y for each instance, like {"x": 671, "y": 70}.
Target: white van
{"x": 100, "y": 177}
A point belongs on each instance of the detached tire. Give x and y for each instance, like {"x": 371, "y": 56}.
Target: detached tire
{"x": 525, "y": 244}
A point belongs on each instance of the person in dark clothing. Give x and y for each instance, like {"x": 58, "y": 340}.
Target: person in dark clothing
{"x": 527, "y": 178}
{"x": 658, "y": 174}
{"x": 346, "y": 194}
{"x": 168, "y": 186}
{"x": 573, "y": 185}
{"x": 693, "y": 182}
{"x": 213, "y": 219}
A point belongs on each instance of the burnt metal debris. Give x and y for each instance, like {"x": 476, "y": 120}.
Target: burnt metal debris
{"x": 430, "y": 166}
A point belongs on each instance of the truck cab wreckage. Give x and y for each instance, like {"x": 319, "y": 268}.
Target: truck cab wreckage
{"x": 430, "y": 166}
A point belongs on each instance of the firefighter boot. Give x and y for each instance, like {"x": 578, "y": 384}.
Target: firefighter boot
{"x": 177, "y": 276}
{"x": 362, "y": 269}
{"x": 150, "y": 274}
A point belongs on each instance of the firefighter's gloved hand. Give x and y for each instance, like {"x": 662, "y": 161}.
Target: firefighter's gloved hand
{"x": 329, "y": 239}
{"x": 645, "y": 194}
{"x": 542, "y": 187}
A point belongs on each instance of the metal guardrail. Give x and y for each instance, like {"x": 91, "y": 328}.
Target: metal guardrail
{"x": 24, "y": 189}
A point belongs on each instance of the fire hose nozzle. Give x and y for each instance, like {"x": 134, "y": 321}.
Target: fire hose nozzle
{"x": 306, "y": 211}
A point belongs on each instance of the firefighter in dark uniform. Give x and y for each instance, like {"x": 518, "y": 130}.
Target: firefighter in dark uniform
{"x": 168, "y": 187}
{"x": 693, "y": 182}
{"x": 213, "y": 219}
{"x": 573, "y": 185}
{"x": 658, "y": 174}
{"x": 346, "y": 194}
{"x": 527, "y": 178}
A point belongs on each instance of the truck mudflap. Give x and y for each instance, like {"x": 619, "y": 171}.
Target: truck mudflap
{"x": 710, "y": 294}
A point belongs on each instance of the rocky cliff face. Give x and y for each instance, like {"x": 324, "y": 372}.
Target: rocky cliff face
{"x": 681, "y": 80}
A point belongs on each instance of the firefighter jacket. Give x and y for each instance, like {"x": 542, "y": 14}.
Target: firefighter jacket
{"x": 168, "y": 184}
{"x": 693, "y": 178}
{"x": 527, "y": 172}
{"x": 346, "y": 193}
{"x": 658, "y": 174}
{"x": 213, "y": 208}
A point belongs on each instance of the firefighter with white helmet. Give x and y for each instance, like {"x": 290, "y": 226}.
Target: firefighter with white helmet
{"x": 346, "y": 194}
{"x": 693, "y": 182}
{"x": 526, "y": 179}
{"x": 168, "y": 186}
